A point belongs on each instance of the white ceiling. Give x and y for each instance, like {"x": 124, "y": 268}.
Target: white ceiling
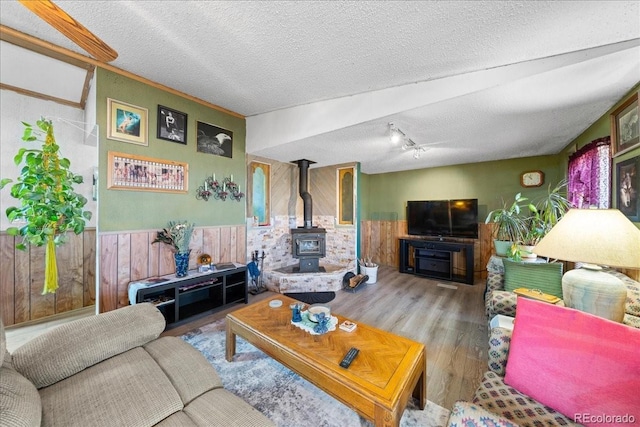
{"x": 469, "y": 81}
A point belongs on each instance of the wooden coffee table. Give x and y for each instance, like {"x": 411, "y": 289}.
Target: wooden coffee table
{"x": 377, "y": 385}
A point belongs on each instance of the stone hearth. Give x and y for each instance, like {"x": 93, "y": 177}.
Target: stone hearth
{"x": 284, "y": 280}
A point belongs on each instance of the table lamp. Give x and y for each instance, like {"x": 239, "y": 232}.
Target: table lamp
{"x": 598, "y": 237}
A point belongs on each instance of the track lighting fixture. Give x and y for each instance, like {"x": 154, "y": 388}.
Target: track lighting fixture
{"x": 417, "y": 151}
{"x": 396, "y": 136}
{"x": 408, "y": 143}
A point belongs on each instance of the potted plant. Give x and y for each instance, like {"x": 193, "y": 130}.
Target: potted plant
{"x": 533, "y": 230}
{"x": 509, "y": 225}
{"x": 544, "y": 215}
{"x": 178, "y": 236}
{"x": 553, "y": 206}
{"x": 49, "y": 204}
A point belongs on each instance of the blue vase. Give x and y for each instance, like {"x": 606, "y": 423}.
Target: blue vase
{"x": 296, "y": 316}
{"x": 182, "y": 263}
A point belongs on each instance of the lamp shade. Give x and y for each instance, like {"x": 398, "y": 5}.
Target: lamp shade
{"x": 596, "y": 236}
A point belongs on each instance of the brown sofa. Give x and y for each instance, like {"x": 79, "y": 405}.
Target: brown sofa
{"x": 113, "y": 369}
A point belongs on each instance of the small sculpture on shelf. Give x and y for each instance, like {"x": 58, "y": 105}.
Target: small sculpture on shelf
{"x": 323, "y": 324}
{"x": 219, "y": 190}
{"x": 296, "y": 315}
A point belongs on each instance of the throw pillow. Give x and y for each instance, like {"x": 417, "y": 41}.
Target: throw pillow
{"x": 581, "y": 365}
{"x": 533, "y": 275}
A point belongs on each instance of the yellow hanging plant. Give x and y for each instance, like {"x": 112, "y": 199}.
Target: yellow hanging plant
{"x": 49, "y": 205}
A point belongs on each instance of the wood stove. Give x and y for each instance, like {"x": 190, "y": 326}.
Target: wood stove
{"x": 308, "y": 242}
{"x": 308, "y": 245}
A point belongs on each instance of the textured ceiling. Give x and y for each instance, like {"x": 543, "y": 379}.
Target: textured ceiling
{"x": 468, "y": 81}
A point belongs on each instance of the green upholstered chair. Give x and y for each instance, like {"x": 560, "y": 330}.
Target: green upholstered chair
{"x": 500, "y": 299}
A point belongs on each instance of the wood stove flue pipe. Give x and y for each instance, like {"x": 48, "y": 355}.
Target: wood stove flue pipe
{"x": 303, "y": 184}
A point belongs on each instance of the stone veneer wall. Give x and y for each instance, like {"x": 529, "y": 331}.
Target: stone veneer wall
{"x": 275, "y": 241}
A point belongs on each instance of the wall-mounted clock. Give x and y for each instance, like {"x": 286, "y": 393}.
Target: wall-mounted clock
{"x": 532, "y": 178}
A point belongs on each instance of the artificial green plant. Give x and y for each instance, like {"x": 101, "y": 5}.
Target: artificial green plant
{"x": 49, "y": 205}
{"x": 177, "y": 235}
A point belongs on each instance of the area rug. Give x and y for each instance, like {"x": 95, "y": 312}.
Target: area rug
{"x": 312, "y": 297}
{"x": 283, "y": 396}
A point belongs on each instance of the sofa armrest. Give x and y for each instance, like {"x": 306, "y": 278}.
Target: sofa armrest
{"x": 495, "y": 282}
{"x": 499, "y": 342}
{"x": 20, "y": 404}
{"x": 74, "y": 346}
{"x": 466, "y": 414}
{"x": 501, "y": 302}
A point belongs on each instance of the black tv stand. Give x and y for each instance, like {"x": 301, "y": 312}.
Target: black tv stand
{"x": 434, "y": 259}
{"x": 179, "y": 299}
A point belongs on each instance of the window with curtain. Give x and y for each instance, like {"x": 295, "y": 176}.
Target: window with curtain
{"x": 590, "y": 175}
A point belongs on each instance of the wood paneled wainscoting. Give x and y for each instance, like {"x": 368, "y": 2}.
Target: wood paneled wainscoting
{"x": 128, "y": 256}
{"x": 379, "y": 241}
{"x": 22, "y": 278}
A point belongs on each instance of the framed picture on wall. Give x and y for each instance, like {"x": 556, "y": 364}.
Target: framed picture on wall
{"x": 127, "y": 122}
{"x": 214, "y": 140}
{"x": 260, "y": 192}
{"x": 346, "y": 195}
{"x": 172, "y": 125}
{"x": 625, "y": 126}
{"x": 138, "y": 173}
{"x": 628, "y": 180}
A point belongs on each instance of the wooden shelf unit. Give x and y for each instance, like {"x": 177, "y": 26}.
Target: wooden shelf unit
{"x": 197, "y": 294}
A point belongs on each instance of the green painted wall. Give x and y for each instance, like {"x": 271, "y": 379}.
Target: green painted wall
{"x": 141, "y": 210}
{"x": 601, "y": 128}
{"x": 363, "y": 195}
{"x": 384, "y": 196}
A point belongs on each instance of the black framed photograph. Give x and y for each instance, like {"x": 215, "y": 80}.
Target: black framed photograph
{"x": 628, "y": 178}
{"x": 172, "y": 125}
{"x": 214, "y": 140}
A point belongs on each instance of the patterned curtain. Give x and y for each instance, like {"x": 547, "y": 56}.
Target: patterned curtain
{"x": 590, "y": 175}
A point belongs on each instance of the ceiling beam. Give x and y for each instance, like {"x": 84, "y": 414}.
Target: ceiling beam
{"x": 42, "y": 47}
{"x": 39, "y": 95}
{"x": 49, "y": 49}
{"x": 72, "y": 29}
{"x": 292, "y": 124}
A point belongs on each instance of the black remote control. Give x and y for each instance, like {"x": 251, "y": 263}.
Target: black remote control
{"x": 348, "y": 358}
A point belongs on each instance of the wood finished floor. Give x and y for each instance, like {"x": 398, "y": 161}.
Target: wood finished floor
{"x": 450, "y": 322}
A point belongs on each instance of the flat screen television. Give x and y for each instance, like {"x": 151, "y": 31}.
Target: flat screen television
{"x": 443, "y": 218}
